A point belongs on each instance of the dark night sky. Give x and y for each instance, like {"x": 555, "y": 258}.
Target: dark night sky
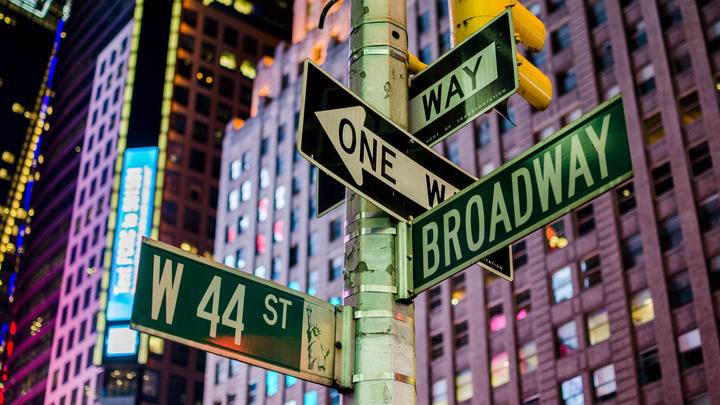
{"x": 24, "y": 55}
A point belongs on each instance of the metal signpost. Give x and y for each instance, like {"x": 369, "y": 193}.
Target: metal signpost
{"x": 203, "y": 304}
{"x": 469, "y": 80}
{"x": 383, "y": 163}
{"x": 580, "y": 162}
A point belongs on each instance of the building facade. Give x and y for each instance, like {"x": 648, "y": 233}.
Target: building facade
{"x": 615, "y": 302}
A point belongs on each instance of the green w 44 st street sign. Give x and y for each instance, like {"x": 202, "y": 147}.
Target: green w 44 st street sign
{"x": 580, "y": 162}
{"x": 200, "y": 303}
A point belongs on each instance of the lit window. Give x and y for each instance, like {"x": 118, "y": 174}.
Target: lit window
{"x": 459, "y": 291}
{"x": 604, "y": 382}
{"x": 312, "y": 282}
{"x": 280, "y": 197}
{"x": 264, "y": 177}
{"x": 260, "y": 271}
{"x": 527, "y": 357}
{"x": 625, "y": 198}
{"x": 241, "y": 263}
{"x": 235, "y": 169}
{"x": 689, "y": 346}
{"x": 260, "y": 242}
{"x": 646, "y": 80}
{"x": 572, "y": 391}
{"x": 336, "y": 269}
{"x": 263, "y": 208}
{"x": 229, "y": 260}
{"x": 641, "y": 307}
{"x": 229, "y": 234}
{"x": 499, "y": 369}
{"x": 310, "y": 398}
{"x": 632, "y": 251}
{"x": 555, "y": 234}
{"x": 523, "y": 304}
{"x": 243, "y": 224}
{"x": 497, "y": 318}
{"x": 271, "y": 382}
{"x": 598, "y": 327}
{"x": 463, "y": 385}
{"x": 246, "y": 190}
{"x": 278, "y": 231}
{"x": 247, "y": 69}
{"x": 653, "y": 127}
{"x": 439, "y": 392}
{"x": 562, "y": 284}
{"x": 690, "y": 109}
{"x": 290, "y": 380}
{"x": 567, "y": 342}
{"x": 228, "y": 60}
{"x": 233, "y": 200}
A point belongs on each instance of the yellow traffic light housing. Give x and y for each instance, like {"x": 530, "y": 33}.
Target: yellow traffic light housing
{"x": 467, "y": 16}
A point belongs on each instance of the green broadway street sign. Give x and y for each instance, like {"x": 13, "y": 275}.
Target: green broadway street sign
{"x": 472, "y": 78}
{"x": 200, "y": 303}
{"x": 582, "y": 161}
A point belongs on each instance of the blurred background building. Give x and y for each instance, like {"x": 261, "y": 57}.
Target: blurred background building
{"x": 615, "y": 302}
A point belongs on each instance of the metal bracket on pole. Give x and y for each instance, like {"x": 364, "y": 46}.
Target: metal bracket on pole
{"x": 404, "y": 262}
{"x": 344, "y": 347}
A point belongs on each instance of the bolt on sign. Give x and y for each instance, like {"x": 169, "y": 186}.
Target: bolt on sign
{"x": 203, "y": 304}
{"x": 580, "y": 162}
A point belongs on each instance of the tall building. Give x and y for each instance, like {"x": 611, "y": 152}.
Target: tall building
{"x": 52, "y": 179}
{"x": 616, "y": 301}
{"x": 127, "y": 126}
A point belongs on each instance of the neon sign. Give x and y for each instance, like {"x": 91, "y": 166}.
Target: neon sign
{"x": 134, "y": 220}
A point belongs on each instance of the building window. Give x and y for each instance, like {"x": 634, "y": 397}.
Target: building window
{"x": 625, "y": 198}
{"x": 496, "y": 318}
{"x": 335, "y": 229}
{"x": 700, "y": 159}
{"x": 250, "y": 45}
{"x": 566, "y": 81}
{"x": 555, "y": 234}
{"x": 439, "y": 392}
{"x": 645, "y": 79}
{"x": 463, "y": 386}
{"x": 459, "y": 291}
{"x": 462, "y": 334}
{"x": 649, "y": 367}
{"x": 499, "y": 369}
{"x": 714, "y": 270}
{"x": 336, "y": 268}
{"x": 191, "y": 221}
{"x": 312, "y": 244}
{"x": 585, "y": 220}
{"x": 598, "y": 327}
{"x": 482, "y": 134}
{"x": 572, "y": 391}
{"x": 240, "y": 258}
{"x": 436, "y": 346}
{"x": 709, "y": 214}
{"x": 435, "y": 296}
{"x": 690, "y": 109}
{"x": 604, "y": 382}
{"x": 444, "y": 41}
{"x": 423, "y": 22}
{"x": 690, "y": 348}
{"x": 202, "y": 104}
{"x": 519, "y": 254}
{"x": 637, "y": 36}
{"x": 591, "y": 271}
{"x": 523, "y": 304}
{"x": 425, "y": 55}
{"x": 632, "y": 251}
{"x": 207, "y": 52}
{"x": 527, "y": 357}
{"x": 176, "y": 390}
{"x": 641, "y": 307}
{"x": 679, "y": 289}
{"x": 566, "y": 339}
{"x": 653, "y": 127}
{"x": 560, "y": 38}
{"x": 669, "y": 14}
{"x": 596, "y": 14}
{"x": 670, "y": 233}
{"x": 562, "y": 284}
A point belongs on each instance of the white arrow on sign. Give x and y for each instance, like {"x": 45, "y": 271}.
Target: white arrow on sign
{"x": 360, "y": 149}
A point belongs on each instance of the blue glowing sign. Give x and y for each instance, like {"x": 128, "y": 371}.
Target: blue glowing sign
{"x": 121, "y": 341}
{"x": 134, "y": 220}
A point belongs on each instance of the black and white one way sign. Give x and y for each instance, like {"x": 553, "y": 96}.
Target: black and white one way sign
{"x": 356, "y": 145}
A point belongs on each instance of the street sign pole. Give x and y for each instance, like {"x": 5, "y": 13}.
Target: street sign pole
{"x": 384, "y": 369}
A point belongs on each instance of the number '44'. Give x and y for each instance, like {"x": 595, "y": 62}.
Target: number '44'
{"x": 236, "y": 302}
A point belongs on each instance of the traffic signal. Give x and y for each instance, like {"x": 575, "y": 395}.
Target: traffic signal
{"x": 468, "y": 16}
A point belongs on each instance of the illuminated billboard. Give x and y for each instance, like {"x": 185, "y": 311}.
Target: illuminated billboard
{"x": 134, "y": 220}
